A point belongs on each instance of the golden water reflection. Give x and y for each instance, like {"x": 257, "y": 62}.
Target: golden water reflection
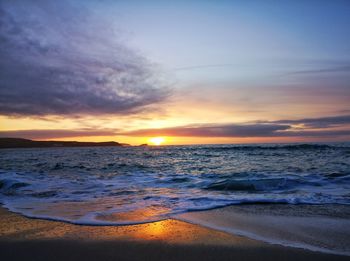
{"x": 138, "y": 215}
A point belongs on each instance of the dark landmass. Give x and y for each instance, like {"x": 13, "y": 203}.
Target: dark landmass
{"x": 6, "y": 143}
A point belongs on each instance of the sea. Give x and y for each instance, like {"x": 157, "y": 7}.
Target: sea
{"x": 132, "y": 185}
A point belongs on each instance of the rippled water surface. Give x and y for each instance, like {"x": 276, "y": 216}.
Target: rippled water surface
{"x": 123, "y": 185}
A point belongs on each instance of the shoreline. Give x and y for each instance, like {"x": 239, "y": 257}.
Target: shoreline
{"x": 15, "y": 227}
{"x": 22, "y": 237}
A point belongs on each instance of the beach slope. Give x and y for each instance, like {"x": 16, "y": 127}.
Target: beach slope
{"x": 34, "y": 239}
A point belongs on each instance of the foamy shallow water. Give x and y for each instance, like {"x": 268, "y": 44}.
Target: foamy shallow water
{"x": 129, "y": 185}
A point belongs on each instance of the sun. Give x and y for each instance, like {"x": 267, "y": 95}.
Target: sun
{"x": 157, "y": 140}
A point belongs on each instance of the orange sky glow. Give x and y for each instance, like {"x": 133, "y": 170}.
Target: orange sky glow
{"x": 228, "y": 76}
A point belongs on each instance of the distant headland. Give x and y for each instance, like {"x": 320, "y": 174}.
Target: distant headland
{"x": 6, "y": 143}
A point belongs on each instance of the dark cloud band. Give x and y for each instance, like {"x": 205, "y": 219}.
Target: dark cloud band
{"x": 233, "y": 130}
{"x": 323, "y": 122}
{"x": 281, "y": 128}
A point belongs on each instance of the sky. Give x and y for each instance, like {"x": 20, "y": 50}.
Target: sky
{"x": 192, "y": 72}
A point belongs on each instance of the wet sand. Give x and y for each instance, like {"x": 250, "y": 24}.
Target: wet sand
{"x": 34, "y": 239}
{"x": 324, "y": 228}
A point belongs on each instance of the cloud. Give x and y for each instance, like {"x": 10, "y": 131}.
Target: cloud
{"x": 281, "y": 128}
{"x": 335, "y": 69}
{"x": 55, "y": 134}
{"x": 203, "y": 66}
{"x": 317, "y": 134}
{"x": 61, "y": 59}
{"x": 232, "y": 130}
{"x": 323, "y": 122}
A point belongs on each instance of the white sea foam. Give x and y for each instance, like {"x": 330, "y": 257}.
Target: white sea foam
{"x": 81, "y": 185}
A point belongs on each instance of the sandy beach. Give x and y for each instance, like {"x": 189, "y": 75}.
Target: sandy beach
{"x": 35, "y": 239}
{"x": 322, "y": 228}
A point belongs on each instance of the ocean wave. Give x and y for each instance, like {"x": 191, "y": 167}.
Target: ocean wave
{"x": 335, "y": 175}
{"x": 266, "y": 184}
{"x": 276, "y": 147}
{"x": 80, "y": 185}
{"x": 11, "y": 184}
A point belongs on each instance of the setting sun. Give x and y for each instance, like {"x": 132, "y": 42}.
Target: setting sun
{"x": 157, "y": 140}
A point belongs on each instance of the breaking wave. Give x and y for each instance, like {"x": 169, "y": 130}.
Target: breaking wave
{"x": 117, "y": 186}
